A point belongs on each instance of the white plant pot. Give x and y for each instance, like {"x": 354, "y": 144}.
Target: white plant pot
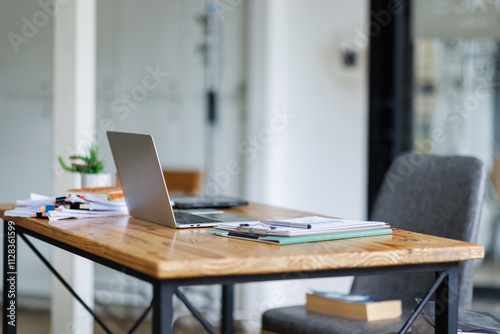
{"x": 96, "y": 180}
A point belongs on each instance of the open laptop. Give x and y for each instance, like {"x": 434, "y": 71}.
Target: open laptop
{"x": 144, "y": 187}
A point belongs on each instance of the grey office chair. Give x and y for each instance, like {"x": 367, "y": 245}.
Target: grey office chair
{"x": 429, "y": 194}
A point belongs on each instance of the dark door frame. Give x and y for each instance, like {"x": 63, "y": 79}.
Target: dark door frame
{"x": 390, "y": 88}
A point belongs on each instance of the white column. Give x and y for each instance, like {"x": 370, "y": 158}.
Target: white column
{"x": 266, "y": 81}
{"x": 266, "y": 92}
{"x": 74, "y": 124}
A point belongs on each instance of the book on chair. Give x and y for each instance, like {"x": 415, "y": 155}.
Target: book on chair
{"x": 353, "y": 306}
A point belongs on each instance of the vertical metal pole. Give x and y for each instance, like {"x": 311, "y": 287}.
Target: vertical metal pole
{"x": 447, "y": 303}
{"x": 163, "y": 310}
{"x": 227, "y": 326}
{"x": 212, "y": 60}
{"x": 9, "y": 277}
{"x": 496, "y": 105}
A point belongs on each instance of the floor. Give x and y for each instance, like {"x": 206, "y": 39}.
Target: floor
{"x": 487, "y": 276}
{"x": 38, "y": 322}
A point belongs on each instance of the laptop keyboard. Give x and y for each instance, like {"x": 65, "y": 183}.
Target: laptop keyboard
{"x": 187, "y": 218}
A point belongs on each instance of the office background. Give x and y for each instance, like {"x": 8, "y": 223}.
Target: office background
{"x": 278, "y": 58}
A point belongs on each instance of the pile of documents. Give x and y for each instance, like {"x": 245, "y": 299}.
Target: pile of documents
{"x": 71, "y": 206}
{"x": 303, "y": 229}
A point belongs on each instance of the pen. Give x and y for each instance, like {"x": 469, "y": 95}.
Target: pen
{"x": 254, "y": 228}
{"x": 289, "y": 224}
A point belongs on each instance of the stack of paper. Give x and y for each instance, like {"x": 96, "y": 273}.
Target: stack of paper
{"x": 55, "y": 208}
{"x": 301, "y": 226}
{"x": 303, "y": 229}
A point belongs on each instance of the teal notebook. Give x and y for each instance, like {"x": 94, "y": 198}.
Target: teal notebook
{"x": 279, "y": 240}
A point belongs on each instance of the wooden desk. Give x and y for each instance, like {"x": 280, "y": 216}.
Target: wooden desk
{"x": 169, "y": 258}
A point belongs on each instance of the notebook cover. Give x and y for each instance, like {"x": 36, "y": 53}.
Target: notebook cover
{"x": 279, "y": 240}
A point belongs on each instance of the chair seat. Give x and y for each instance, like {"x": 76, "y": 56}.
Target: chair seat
{"x": 297, "y": 320}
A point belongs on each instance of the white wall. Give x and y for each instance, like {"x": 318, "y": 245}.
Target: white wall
{"x": 25, "y": 103}
{"x": 26, "y": 121}
{"x": 316, "y": 161}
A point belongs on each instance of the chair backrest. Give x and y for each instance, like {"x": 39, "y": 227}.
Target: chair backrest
{"x": 436, "y": 195}
{"x": 182, "y": 181}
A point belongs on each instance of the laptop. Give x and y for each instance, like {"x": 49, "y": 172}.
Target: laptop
{"x": 144, "y": 188}
{"x": 196, "y": 202}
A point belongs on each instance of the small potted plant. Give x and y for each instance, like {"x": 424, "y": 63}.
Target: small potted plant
{"x": 90, "y": 168}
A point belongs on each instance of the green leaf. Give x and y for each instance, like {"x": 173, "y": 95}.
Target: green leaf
{"x": 66, "y": 167}
{"x": 90, "y": 165}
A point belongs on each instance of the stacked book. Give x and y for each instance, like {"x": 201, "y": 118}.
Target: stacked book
{"x": 71, "y": 206}
{"x": 106, "y": 193}
{"x": 299, "y": 230}
{"x": 358, "y": 307}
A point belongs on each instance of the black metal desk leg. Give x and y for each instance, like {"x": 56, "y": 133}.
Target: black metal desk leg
{"x": 9, "y": 278}
{"x": 227, "y": 309}
{"x": 163, "y": 309}
{"x": 447, "y": 303}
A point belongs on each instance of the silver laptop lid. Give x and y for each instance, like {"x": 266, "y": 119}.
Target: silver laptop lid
{"x": 141, "y": 177}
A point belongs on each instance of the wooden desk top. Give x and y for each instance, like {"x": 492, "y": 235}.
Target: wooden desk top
{"x": 163, "y": 252}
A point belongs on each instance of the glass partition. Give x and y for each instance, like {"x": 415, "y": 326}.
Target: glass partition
{"x": 456, "y": 101}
